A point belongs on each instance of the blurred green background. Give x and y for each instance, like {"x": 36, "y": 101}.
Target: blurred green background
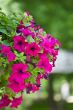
{"x": 56, "y": 17}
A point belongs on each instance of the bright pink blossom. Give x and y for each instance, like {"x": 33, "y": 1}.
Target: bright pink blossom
{"x": 19, "y": 43}
{"x": 38, "y": 79}
{"x": 45, "y": 64}
{"x": 16, "y": 102}
{"x": 32, "y": 49}
{"x": 31, "y": 88}
{"x": 13, "y": 77}
{"x": 5, "y": 49}
{"x": 16, "y": 86}
{"x": 5, "y": 101}
{"x": 34, "y": 88}
{"x": 11, "y": 56}
{"x": 28, "y": 32}
{"x": 20, "y": 70}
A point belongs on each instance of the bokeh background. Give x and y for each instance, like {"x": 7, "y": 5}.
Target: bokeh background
{"x": 56, "y": 17}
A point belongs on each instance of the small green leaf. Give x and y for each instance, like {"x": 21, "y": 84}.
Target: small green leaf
{"x": 30, "y": 67}
{"x": 43, "y": 33}
{"x": 6, "y": 42}
{"x": 56, "y": 47}
{"x": 32, "y": 79}
{"x": 30, "y": 39}
{"x": 20, "y": 56}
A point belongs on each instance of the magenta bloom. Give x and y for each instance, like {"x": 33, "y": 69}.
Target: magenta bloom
{"x": 16, "y": 86}
{"x": 47, "y": 45}
{"x": 5, "y": 101}
{"x": 38, "y": 79}
{"x": 27, "y": 32}
{"x": 5, "y": 49}
{"x": 16, "y": 102}
{"x": 7, "y": 53}
{"x": 19, "y": 70}
{"x": 45, "y": 64}
{"x": 32, "y": 49}
{"x": 11, "y": 56}
{"x": 31, "y": 88}
{"x": 19, "y": 43}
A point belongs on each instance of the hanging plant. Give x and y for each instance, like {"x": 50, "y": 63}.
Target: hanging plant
{"x": 27, "y": 55}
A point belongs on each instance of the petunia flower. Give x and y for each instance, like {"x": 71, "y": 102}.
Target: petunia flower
{"x": 19, "y": 43}
{"x": 5, "y": 101}
{"x": 38, "y": 80}
{"x": 5, "y": 49}
{"x": 28, "y": 32}
{"x": 31, "y": 88}
{"x": 45, "y": 64}
{"x": 6, "y": 52}
{"x": 11, "y": 56}
{"x": 16, "y": 86}
{"x": 32, "y": 49}
{"x": 16, "y": 102}
{"x": 20, "y": 70}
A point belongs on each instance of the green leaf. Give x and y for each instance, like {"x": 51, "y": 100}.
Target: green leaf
{"x": 4, "y": 31}
{"x": 43, "y": 33}
{"x": 20, "y": 56}
{"x": 32, "y": 79}
{"x": 6, "y": 42}
{"x": 30, "y": 67}
{"x": 30, "y": 39}
{"x": 27, "y": 24}
{"x": 56, "y": 47}
{"x": 36, "y": 70}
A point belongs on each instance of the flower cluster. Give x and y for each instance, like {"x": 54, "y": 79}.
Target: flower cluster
{"x": 29, "y": 57}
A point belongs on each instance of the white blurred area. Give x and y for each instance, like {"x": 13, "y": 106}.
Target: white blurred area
{"x": 64, "y": 62}
{"x": 65, "y": 90}
{"x": 64, "y": 65}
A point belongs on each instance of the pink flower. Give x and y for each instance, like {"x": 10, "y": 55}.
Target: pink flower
{"x": 19, "y": 70}
{"x": 16, "y": 102}
{"x": 28, "y": 32}
{"x": 16, "y": 86}
{"x": 13, "y": 77}
{"x": 34, "y": 88}
{"x": 45, "y": 64}
{"x": 32, "y": 49}
{"x": 5, "y": 101}
{"x": 19, "y": 43}
{"x": 47, "y": 45}
{"x": 38, "y": 79}
{"x": 5, "y": 49}
{"x": 7, "y": 53}
{"x": 11, "y": 56}
{"x": 31, "y": 88}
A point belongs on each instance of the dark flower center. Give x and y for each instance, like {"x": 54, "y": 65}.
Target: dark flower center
{"x": 43, "y": 64}
{"x": 19, "y": 43}
{"x": 32, "y": 48}
{"x": 20, "y": 71}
